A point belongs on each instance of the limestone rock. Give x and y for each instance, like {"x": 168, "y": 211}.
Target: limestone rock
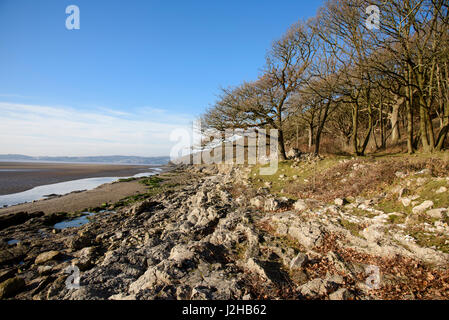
{"x": 300, "y": 205}
{"x": 314, "y": 288}
{"x": 299, "y": 261}
{"x": 436, "y": 213}
{"x": 272, "y": 204}
{"x": 11, "y": 287}
{"x": 341, "y": 294}
{"x": 423, "y": 206}
{"x": 47, "y": 256}
{"x": 257, "y": 202}
{"x": 441, "y": 190}
{"x": 340, "y": 201}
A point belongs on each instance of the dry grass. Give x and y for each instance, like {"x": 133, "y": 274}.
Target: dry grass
{"x": 369, "y": 176}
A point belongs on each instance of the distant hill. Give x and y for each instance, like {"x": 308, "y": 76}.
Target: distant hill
{"x": 94, "y": 159}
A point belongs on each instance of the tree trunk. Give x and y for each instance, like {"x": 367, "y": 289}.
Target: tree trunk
{"x": 445, "y": 109}
{"x": 355, "y": 128}
{"x": 310, "y": 133}
{"x": 370, "y": 130}
{"x": 409, "y": 110}
{"x": 382, "y": 127}
{"x": 282, "y": 154}
{"x": 395, "y": 123}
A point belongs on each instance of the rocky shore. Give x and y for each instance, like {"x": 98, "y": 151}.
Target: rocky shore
{"x": 210, "y": 234}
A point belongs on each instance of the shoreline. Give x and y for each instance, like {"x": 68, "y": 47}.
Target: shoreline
{"x": 212, "y": 233}
{"x": 16, "y": 177}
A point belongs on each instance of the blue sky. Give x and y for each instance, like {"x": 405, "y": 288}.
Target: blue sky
{"x": 134, "y": 71}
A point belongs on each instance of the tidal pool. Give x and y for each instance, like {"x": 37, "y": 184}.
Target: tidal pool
{"x": 77, "y": 222}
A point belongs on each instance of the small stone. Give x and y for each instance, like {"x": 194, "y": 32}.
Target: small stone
{"x": 421, "y": 181}
{"x": 406, "y": 201}
{"x": 256, "y": 202}
{"x": 441, "y": 190}
{"x": 268, "y": 184}
{"x": 340, "y": 201}
{"x": 424, "y": 171}
{"x": 299, "y": 261}
{"x": 400, "y": 174}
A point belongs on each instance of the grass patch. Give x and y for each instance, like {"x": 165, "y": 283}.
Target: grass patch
{"x": 332, "y": 178}
{"x": 127, "y": 179}
{"x": 396, "y": 219}
{"x": 155, "y": 184}
{"x": 354, "y": 228}
{"x": 427, "y": 192}
{"x": 304, "y": 171}
{"x": 390, "y": 206}
{"x": 152, "y": 182}
{"x": 440, "y": 243}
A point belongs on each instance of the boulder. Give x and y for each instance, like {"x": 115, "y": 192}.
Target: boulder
{"x": 6, "y": 274}
{"x": 308, "y": 235}
{"x": 272, "y": 204}
{"x": 315, "y": 287}
{"x": 79, "y": 241}
{"x": 11, "y": 287}
{"x": 47, "y": 256}
{"x": 423, "y": 206}
{"x": 341, "y": 294}
{"x": 300, "y": 205}
{"x": 293, "y": 153}
{"x": 436, "y": 213}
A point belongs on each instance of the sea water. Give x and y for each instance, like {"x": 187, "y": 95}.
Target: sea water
{"x": 61, "y": 188}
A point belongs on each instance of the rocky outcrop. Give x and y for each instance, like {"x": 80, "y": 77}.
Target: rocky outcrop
{"x": 201, "y": 240}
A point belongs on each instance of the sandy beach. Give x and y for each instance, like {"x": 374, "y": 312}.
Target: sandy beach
{"x": 21, "y": 176}
{"x": 74, "y": 202}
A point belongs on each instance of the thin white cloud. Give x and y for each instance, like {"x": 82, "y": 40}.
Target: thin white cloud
{"x": 45, "y": 130}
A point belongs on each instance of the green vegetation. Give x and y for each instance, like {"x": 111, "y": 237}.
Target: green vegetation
{"x": 439, "y": 242}
{"x": 155, "y": 184}
{"x": 305, "y": 173}
{"x": 127, "y": 179}
{"x": 354, "y": 228}
{"x": 152, "y": 182}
